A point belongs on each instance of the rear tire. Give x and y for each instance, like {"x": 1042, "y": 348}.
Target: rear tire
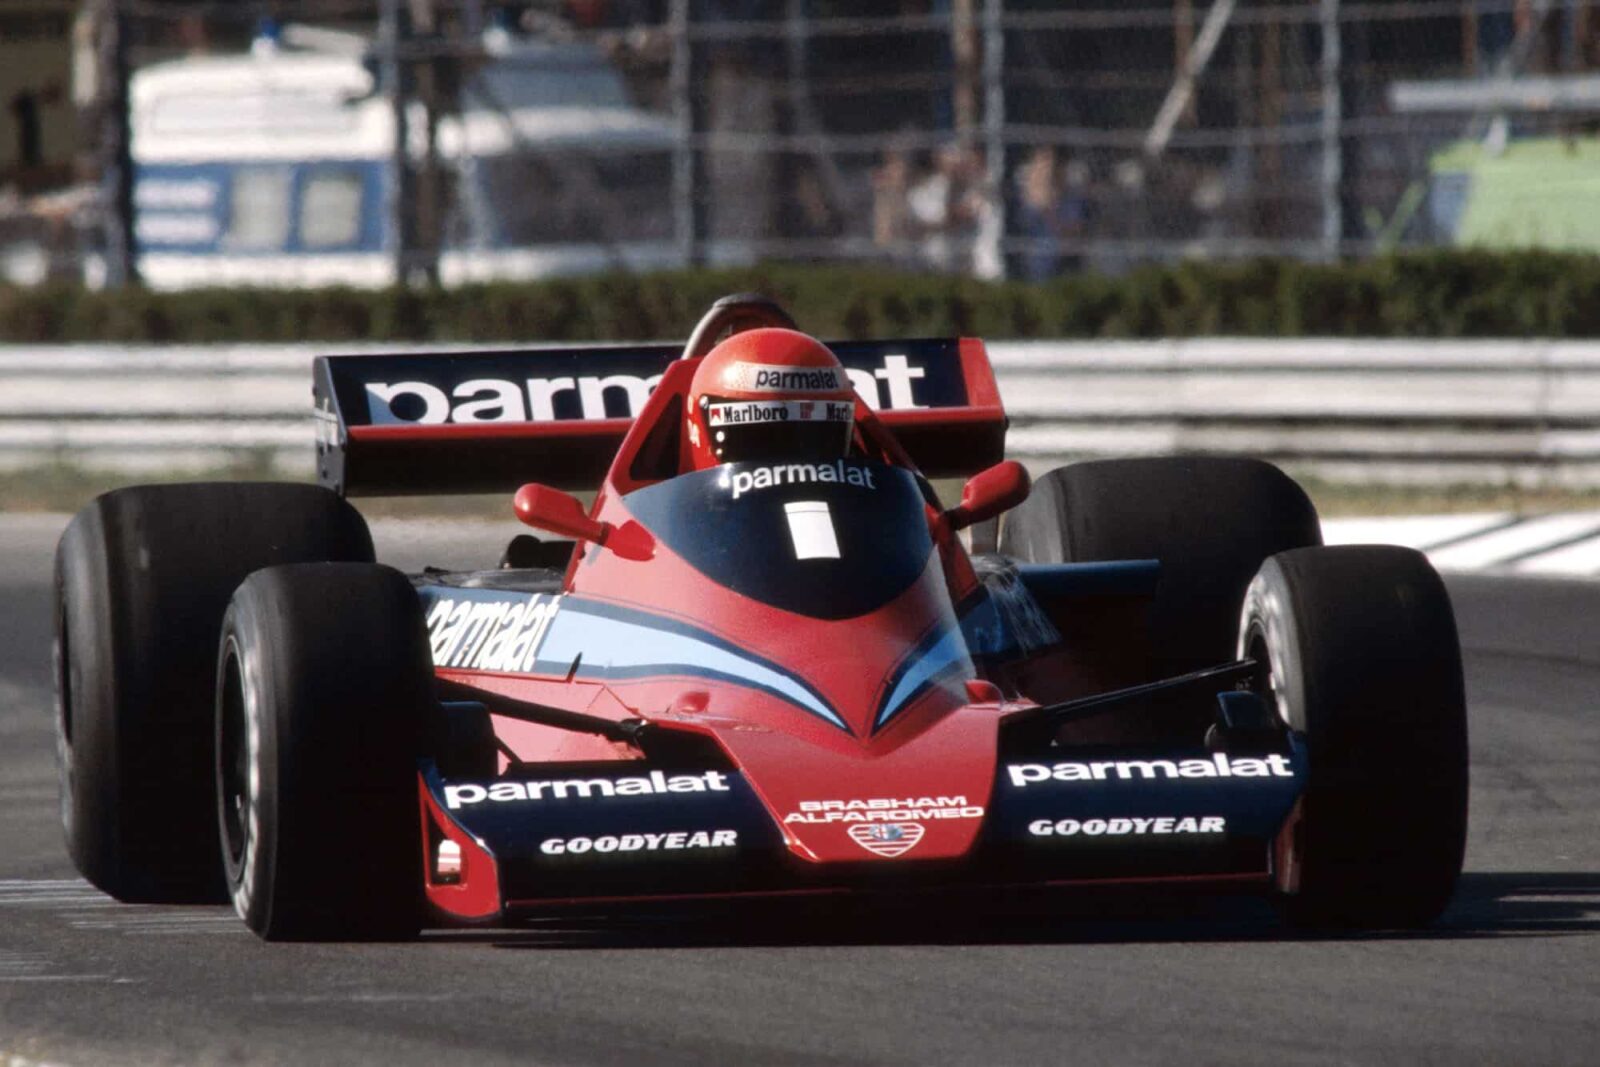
{"x": 1360, "y": 646}
{"x": 142, "y": 577}
{"x": 324, "y": 682}
{"x": 1209, "y": 520}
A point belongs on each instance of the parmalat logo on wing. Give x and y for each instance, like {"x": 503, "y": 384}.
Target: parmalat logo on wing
{"x": 1219, "y": 765}
{"x": 534, "y": 399}
{"x": 466, "y": 794}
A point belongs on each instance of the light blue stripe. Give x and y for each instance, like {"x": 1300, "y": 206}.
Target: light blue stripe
{"x": 629, "y": 646}
{"x": 949, "y": 650}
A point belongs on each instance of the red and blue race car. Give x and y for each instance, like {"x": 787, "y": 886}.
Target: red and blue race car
{"x": 764, "y": 678}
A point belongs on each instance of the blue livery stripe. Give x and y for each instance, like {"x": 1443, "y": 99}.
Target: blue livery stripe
{"x": 622, "y": 643}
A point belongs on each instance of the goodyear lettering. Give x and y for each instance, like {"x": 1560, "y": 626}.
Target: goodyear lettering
{"x": 1205, "y": 824}
{"x": 490, "y": 635}
{"x": 655, "y": 783}
{"x": 1218, "y": 766}
{"x": 884, "y": 809}
{"x": 838, "y": 471}
{"x": 698, "y": 839}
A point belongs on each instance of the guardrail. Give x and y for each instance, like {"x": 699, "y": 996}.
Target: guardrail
{"x": 1376, "y": 411}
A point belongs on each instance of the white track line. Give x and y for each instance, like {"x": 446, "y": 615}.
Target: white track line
{"x": 1516, "y": 543}
{"x": 1566, "y": 544}
{"x": 1582, "y": 558}
{"x": 1420, "y": 532}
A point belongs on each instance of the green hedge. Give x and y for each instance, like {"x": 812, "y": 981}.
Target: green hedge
{"x": 1437, "y": 294}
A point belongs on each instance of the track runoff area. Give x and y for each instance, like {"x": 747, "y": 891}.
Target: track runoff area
{"x": 1510, "y": 974}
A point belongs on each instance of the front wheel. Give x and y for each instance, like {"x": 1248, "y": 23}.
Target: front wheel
{"x": 323, "y": 682}
{"x": 1359, "y": 645}
{"x": 1210, "y": 520}
{"x": 142, "y": 578}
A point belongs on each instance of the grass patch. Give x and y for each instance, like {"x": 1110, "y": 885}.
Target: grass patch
{"x": 65, "y": 487}
{"x": 1338, "y": 499}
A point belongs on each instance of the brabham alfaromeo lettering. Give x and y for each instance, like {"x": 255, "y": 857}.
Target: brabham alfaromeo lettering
{"x": 467, "y": 793}
{"x": 1218, "y": 766}
{"x": 884, "y": 809}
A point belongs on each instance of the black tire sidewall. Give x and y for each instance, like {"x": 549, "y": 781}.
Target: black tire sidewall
{"x": 142, "y": 578}
{"x": 85, "y": 732}
{"x": 1209, "y": 520}
{"x": 249, "y": 878}
{"x": 1365, "y": 666}
{"x": 337, "y": 684}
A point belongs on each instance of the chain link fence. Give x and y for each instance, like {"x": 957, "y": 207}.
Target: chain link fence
{"x": 360, "y": 141}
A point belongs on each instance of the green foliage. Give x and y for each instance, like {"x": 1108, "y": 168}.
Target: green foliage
{"x": 1431, "y": 294}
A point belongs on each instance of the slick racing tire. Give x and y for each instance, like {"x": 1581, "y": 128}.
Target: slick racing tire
{"x": 142, "y": 577}
{"x": 1210, "y": 521}
{"x": 1359, "y": 647}
{"x": 323, "y": 681}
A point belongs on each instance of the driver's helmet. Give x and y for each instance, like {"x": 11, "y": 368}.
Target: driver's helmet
{"x": 769, "y": 394}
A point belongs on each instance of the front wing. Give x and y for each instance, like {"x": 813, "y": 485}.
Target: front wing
{"x": 547, "y": 835}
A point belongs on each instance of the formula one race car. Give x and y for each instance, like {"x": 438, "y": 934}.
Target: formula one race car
{"x": 762, "y": 664}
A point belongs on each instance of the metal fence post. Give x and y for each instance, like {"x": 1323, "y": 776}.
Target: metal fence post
{"x": 1332, "y": 124}
{"x": 398, "y": 191}
{"x": 994, "y": 123}
{"x": 428, "y": 220}
{"x": 685, "y": 196}
{"x": 115, "y": 151}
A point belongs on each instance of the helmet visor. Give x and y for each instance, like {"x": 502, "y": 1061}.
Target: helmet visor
{"x": 745, "y": 430}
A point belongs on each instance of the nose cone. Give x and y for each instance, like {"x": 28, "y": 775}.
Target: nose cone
{"x": 923, "y": 798}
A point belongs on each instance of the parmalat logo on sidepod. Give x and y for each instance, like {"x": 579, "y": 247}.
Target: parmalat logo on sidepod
{"x": 490, "y": 635}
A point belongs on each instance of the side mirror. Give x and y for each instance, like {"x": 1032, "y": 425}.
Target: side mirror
{"x": 545, "y": 508}
{"x": 988, "y": 493}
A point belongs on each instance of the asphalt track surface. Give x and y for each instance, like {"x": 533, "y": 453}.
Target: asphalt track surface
{"x": 1511, "y": 975}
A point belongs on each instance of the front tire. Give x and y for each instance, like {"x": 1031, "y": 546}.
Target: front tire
{"x": 1360, "y": 646}
{"x": 1210, "y": 521}
{"x": 142, "y": 577}
{"x": 324, "y": 680}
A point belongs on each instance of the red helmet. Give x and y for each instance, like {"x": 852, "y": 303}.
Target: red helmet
{"x": 769, "y": 394}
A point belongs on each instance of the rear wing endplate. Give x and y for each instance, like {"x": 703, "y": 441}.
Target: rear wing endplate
{"x": 489, "y": 421}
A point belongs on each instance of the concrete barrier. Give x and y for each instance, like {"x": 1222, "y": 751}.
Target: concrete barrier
{"x": 1500, "y": 412}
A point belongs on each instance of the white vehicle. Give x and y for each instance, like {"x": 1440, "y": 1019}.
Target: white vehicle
{"x": 272, "y": 169}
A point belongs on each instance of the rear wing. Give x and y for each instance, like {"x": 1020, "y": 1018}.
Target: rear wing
{"x": 472, "y": 422}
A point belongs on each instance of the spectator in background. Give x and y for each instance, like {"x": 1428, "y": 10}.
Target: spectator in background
{"x": 951, "y": 210}
{"x": 1051, "y": 208}
{"x": 928, "y": 210}
{"x": 891, "y": 219}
